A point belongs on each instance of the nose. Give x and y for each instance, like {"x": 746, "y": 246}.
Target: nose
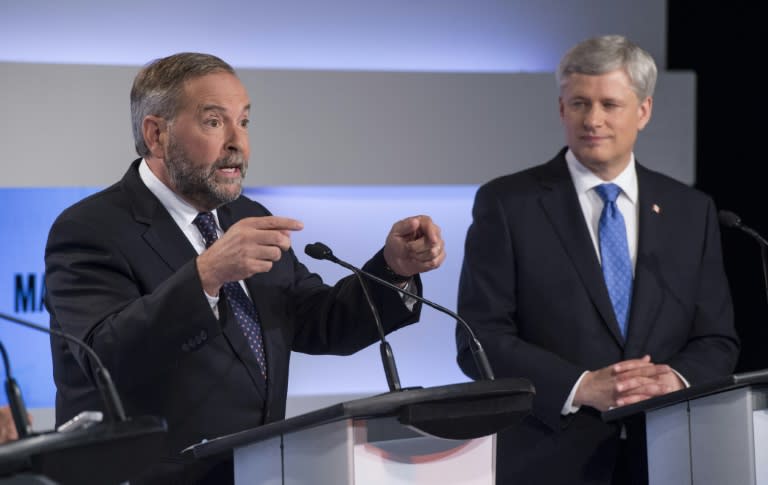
{"x": 237, "y": 139}
{"x": 593, "y": 118}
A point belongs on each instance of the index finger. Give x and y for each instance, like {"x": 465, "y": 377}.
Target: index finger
{"x": 275, "y": 222}
{"x": 629, "y": 364}
{"x": 652, "y": 370}
{"x": 406, "y": 227}
{"x": 418, "y": 227}
{"x": 429, "y": 229}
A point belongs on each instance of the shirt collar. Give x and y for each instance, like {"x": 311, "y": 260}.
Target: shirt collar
{"x": 584, "y": 180}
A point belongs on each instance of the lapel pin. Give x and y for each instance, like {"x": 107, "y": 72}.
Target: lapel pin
{"x": 655, "y": 208}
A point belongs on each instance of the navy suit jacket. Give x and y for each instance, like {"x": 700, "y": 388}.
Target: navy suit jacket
{"x": 532, "y": 287}
{"x": 121, "y": 276}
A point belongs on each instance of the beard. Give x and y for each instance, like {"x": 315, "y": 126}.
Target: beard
{"x": 199, "y": 184}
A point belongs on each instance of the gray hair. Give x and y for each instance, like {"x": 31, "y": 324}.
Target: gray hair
{"x": 600, "y": 55}
{"x": 158, "y": 88}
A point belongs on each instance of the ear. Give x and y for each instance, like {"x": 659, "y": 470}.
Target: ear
{"x": 155, "y": 131}
{"x": 561, "y": 107}
{"x": 644, "y": 113}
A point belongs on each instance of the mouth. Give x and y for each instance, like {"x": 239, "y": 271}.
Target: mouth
{"x": 593, "y": 141}
{"x": 229, "y": 170}
{"x": 229, "y": 175}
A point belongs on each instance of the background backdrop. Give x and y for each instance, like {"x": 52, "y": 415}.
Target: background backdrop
{"x": 363, "y": 113}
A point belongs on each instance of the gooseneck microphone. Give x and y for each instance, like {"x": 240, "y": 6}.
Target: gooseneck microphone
{"x": 113, "y": 407}
{"x": 320, "y": 251}
{"x": 387, "y": 357}
{"x": 729, "y": 219}
{"x": 15, "y": 400}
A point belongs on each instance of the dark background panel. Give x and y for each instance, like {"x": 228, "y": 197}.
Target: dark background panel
{"x": 722, "y": 45}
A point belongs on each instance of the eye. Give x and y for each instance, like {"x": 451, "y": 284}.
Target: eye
{"x": 213, "y": 122}
{"x": 245, "y": 122}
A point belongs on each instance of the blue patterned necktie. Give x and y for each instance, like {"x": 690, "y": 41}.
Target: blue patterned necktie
{"x": 614, "y": 254}
{"x": 242, "y": 307}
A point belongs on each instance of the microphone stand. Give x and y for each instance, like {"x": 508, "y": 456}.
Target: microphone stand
{"x": 113, "y": 407}
{"x": 387, "y": 357}
{"x": 320, "y": 251}
{"x": 112, "y": 451}
{"x": 730, "y": 219}
{"x": 15, "y": 400}
{"x": 763, "y": 251}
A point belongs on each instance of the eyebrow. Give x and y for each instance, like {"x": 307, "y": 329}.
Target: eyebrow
{"x": 610, "y": 99}
{"x": 215, "y": 107}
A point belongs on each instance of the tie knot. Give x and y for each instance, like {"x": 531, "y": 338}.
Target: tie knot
{"x": 206, "y": 224}
{"x": 608, "y": 192}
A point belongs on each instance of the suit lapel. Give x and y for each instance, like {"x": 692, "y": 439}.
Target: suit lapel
{"x": 646, "y": 294}
{"x": 561, "y": 205}
{"x": 162, "y": 233}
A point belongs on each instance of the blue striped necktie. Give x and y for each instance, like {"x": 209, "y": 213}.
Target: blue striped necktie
{"x": 614, "y": 254}
{"x": 242, "y": 307}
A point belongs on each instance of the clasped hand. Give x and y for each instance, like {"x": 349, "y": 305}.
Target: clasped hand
{"x": 626, "y": 382}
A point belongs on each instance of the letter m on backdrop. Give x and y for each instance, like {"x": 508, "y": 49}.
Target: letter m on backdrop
{"x": 26, "y": 294}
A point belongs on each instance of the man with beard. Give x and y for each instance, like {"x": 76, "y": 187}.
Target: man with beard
{"x": 191, "y": 293}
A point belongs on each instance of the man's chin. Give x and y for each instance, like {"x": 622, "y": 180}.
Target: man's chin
{"x": 593, "y": 156}
{"x": 230, "y": 191}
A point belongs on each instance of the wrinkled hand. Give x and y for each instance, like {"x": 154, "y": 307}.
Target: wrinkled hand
{"x": 626, "y": 382}
{"x": 250, "y": 246}
{"x": 414, "y": 245}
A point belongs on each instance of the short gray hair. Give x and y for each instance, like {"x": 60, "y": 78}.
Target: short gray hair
{"x": 600, "y": 55}
{"x": 158, "y": 88}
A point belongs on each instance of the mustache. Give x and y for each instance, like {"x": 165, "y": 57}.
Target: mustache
{"x": 234, "y": 160}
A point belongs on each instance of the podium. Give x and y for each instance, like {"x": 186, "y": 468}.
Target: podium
{"x": 710, "y": 434}
{"x": 102, "y": 454}
{"x": 440, "y": 435}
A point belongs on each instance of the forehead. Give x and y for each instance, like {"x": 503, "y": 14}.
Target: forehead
{"x": 220, "y": 89}
{"x": 613, "y": 83}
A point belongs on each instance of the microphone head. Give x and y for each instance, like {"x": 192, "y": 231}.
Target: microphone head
{"x": 728, "y": 219}
{"x": 319, "y": 250}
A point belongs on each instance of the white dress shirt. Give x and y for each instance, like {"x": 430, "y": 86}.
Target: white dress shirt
{"x": 592, "y": 206}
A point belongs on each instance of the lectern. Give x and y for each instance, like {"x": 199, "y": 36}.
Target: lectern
{"x": 416, "y": 436}
{"x": 711, "y": 434}
{"x": 103, "y": 454}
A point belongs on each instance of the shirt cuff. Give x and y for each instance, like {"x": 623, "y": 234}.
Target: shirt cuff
{"x": 568, "y": 407}
{"x": 409, "y": 301}
{"x": 685, "y": 382}
{"x": 213, "y": 301}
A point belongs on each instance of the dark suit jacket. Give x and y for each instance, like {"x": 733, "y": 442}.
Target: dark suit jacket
{"x": 532, "y": 287}
{"x": 121, "y": 276}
